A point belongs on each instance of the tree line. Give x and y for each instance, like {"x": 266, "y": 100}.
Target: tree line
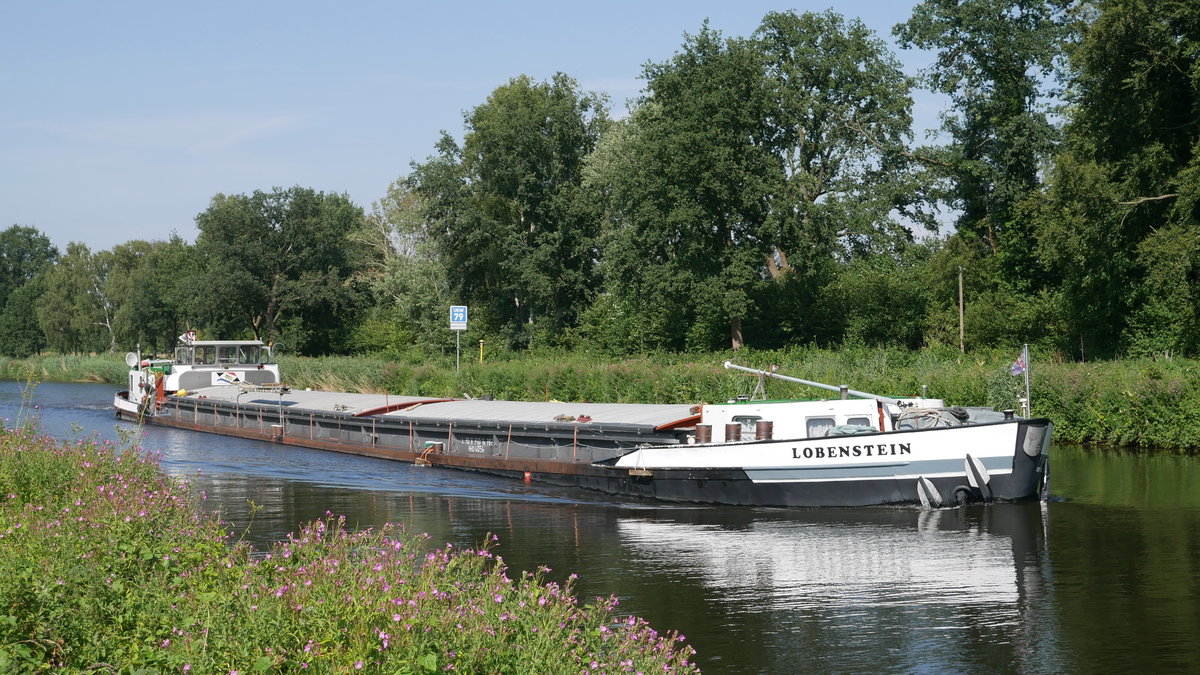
{"x": 764, "y": 190}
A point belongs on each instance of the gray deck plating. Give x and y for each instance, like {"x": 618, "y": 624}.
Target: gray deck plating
{"x": 649, "y": 416}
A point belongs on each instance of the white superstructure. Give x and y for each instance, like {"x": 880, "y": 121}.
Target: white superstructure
{"x": 196, "y": 364}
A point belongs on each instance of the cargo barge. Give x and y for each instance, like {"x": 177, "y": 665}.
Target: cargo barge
{"x": 857, "y": 449}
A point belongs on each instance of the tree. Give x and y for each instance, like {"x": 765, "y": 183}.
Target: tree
{"x": 1166, "y": 315}
{"x": 992, "y": 58}
{"x": 1122, "y": 213}
{"x": 74, "y": 312}
{"x": 20, "y": 335}
{"x": 503, "y": 206}
{"x": 278, "y": 265}
{"x": 684, "y": 184}
{"x": 876, "y": 301}
{"x": 24, "y": 254}
{"x": 406, "y": 276}
{"x": 1135, "y": 89}
{"x": 748, "y": 160}
{"x": 155, "y": 290}
{"x": 24, "y": 251}
{"x": 840, "y": 125}
{"x": 1089, "y": 256}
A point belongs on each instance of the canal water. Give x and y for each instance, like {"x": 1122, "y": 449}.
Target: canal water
{"x": 1105, "y": 577}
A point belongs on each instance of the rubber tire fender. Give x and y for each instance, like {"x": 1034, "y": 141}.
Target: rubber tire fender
{"x": 962, "y": 495}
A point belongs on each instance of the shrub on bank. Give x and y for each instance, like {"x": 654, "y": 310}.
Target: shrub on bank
{"x": 107, "y": 565}
{"x": 1140, "y": 403}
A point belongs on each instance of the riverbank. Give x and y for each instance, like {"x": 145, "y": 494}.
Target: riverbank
{"x": 1135, "y": 404}
{"x": 106, "y": 564}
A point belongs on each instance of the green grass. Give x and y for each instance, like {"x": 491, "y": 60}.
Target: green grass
{"x": 108, "y": 566}
{"x": 66, "y": 368}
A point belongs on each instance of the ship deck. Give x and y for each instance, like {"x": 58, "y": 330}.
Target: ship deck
{"x": 648, "y": 417}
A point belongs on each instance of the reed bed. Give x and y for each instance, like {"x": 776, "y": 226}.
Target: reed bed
{"x": 364, "y": 374}
{"x": 106, "y": 565}
{"x": 66, "y": 368}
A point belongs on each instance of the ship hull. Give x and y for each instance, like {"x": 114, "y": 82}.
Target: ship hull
{"x": 658, "y": 463}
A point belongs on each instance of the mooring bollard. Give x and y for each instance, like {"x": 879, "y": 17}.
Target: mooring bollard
{"x": 733, "y": 432}
{"x": 764, "y": 430}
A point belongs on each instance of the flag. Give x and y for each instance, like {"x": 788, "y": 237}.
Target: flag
{"x": 188, "y": 337}
{"x": 1019, "y": 366}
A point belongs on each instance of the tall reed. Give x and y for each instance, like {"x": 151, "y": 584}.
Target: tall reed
{"x": 66, "y": 368}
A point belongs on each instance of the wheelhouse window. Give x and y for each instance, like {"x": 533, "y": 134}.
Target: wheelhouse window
{"x": 748, "y": 423}
{"x": 248, "y": 354}
{"x": 860, "y": 421}
{"x": 816, "y": 427}
{"x": 225, "y": 355}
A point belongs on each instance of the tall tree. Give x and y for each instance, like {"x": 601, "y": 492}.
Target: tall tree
{"x": 841, "y": 128}
{"x": 507, "y": 222}
{"x": 74, "y": 311}
{"x": 24, "y": 251}
{"x": 685, "y": 183}
{"x": 124, "y": 261}
{"x": 993, "y": 60}
{"x": 770, "y": 157}
{"x": 155, "y": 291}
{"x": 20, "y": 334}
{"x": 1129, "y": 267}
{"x": 278, "y": 265}
{"x": 840, "y": 125}
{"x": 406, "y": 276}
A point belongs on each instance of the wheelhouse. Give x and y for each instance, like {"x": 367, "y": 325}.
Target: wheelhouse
{"x": 223, "y": 353}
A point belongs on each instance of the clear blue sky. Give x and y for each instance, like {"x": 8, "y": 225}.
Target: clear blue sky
{"x": 121, "y": 120}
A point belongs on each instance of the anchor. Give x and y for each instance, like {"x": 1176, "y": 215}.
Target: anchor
{"x": 978, "y": 477}
{"x": 928, "y": 494}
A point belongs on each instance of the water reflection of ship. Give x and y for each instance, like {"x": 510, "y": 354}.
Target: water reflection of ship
{"x": 879, "y": 557}
{"x": 929, "y": 585}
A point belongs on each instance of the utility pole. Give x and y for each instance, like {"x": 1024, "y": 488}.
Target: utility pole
{"x": 961, "y": 345}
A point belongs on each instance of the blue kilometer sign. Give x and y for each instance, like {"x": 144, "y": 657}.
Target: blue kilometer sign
{"x": 458, "y": 317}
